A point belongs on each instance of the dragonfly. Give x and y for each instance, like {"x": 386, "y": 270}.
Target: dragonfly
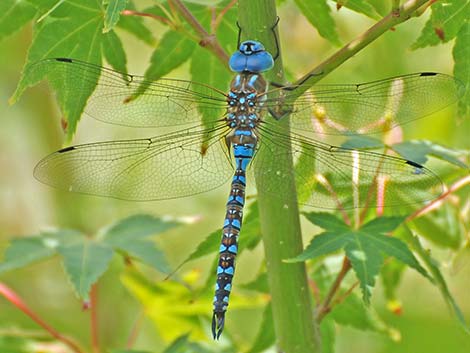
{"x": 217, "y": 137}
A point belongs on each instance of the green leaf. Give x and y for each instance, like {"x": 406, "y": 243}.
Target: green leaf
{"x": 318, "y": 14}
{"x": 14, "y": 15}
{"x": 84, "y": 263}
{"x": 266, "y": 336}
{"x": 206, "y": 247}
{"x": 445, "y": 22}
{"x": 366, "y": 262}
{"x": 322, "y": 244}
{"x": 461, "y": 55}
{"x": 352, "y": 312}
{"x": 432, "y": 265}
{"x": 382, "y": 225}
{"x": 24, "y": 251}
{"x": 112, "y": 14}
{"x": 135, "y": 25}
{"x": 206, "y": 68}
{"x": 365, "y": 248}
{"x": 417, "y": 151}
{"x": 61, "y": 35}
{"x": 391, "y": 276}
{"x": 328, "y": 335}
{"x": 173, "y": 50}
{"x": 179, "y": 345}
{"x": 327, "y": 221}
{"x": 360, "y": 6}
{"x": 146, "y": 252}
{"x": 114, "y": 52}
{"x": 137, "y": 227}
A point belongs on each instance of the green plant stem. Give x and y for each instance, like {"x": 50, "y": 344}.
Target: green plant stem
{"x": 13, "y": 298}
{"x": 291, "y": 301}
{"x": 395, "y": 17}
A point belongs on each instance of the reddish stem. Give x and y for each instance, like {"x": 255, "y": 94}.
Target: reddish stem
{"x": 13, "y": 298}
{"x": 325, "y": 306}
{"x": 135, "y": 330}
{"x": 94, "y": 325}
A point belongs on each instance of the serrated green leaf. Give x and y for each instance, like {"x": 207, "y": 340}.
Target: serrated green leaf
{"x": 417, "y": 151}
{"x": 382, "y": 225}
{"x": 327, "y": 221}
{"x": 84, "y": 263}
{"x": 135, "y": 25}
{"x": 146, "y": 252}
{"x": 266, "y": 336}
{"x": 352, "y": 312}
{"x": 179, "y": 345}
{"x": 114, "y": 52}
{"x": 328, "y": 335}
{"x": 24, "y": 251}
{"x": 62, "y": 35}
{"x": 366, "y": 262}
{"x": 318, "y": 14}
{"x": 360, "y": 6}
{"x": 207, "y": 69}
{"x": 173, "y": 50}
{"x": 136, "y": 227}
{"x": 441, "y": 227}
{"x": 432, "y": 266}
{"x": 207, "y": 246}
{"x": 446, "y": 20}
{"x": 461, "y": 55}
{"x": 391, "y": 275}
{"x": 112, "y": 14}
{"x": 322, "y": 244}
{"x": 14, "y": 15}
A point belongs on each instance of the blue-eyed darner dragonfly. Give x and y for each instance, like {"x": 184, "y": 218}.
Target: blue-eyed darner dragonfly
{"x": 206, "y": 153}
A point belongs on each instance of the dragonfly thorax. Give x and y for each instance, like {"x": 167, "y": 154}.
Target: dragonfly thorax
{"x": 245, "y": 100}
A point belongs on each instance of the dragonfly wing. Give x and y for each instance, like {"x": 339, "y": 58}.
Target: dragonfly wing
{"x": 128, "y": 100}
{"x": 368, "y": 107}
{"x": 185, "y": 163}
{"x": 340, "y": 178}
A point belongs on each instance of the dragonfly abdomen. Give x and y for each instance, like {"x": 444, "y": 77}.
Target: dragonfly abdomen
{"x": 243, "y": 153}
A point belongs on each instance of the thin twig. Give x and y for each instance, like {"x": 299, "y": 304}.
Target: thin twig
{"x": 94, "y": 325}
{"x": 324, "y": 308}
{"x": 135, "y": 330}
{"x": 13, "y": 298}
{"x": 222, "y": 13}
{"x": 436, "y": 203}
{"x": 144, "y": 14}
{"x": 206, "y": 40}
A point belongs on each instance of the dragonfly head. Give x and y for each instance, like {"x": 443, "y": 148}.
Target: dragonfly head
{"x": 251, "y": 57}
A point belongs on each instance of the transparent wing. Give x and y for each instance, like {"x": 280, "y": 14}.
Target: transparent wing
{"x": 130, "y": 100}
{"x": 367, "y": 107}
{"x": 340, "y": 178}
{"x": 185, "y": 163}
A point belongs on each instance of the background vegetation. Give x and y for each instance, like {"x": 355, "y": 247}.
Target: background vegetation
{"x": 131, "y": 307}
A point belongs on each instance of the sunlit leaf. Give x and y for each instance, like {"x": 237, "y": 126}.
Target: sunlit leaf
{"x": 328, "y": 335}
{"x": 432, "y": 266}
{"x": 84, "y": 263}
{"x": 24, "y": 251}
{"x": 318, "y": 13}
{"x": 391, "y": 276}
{"x": 112, "y": 14}
{"x": 135, "y": 25}
{"x": 445, "y": 22}
{"x": 461, "y": 54}
{"x": 360, "y": 6}
{"x": 15, "y": 14}
{"x": 114, "y": 52}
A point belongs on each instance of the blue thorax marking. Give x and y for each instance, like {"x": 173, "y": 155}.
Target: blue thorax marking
{"x": 251, "y": 57}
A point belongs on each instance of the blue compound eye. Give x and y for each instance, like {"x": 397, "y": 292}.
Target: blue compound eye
{"x": 251, "y": 57}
